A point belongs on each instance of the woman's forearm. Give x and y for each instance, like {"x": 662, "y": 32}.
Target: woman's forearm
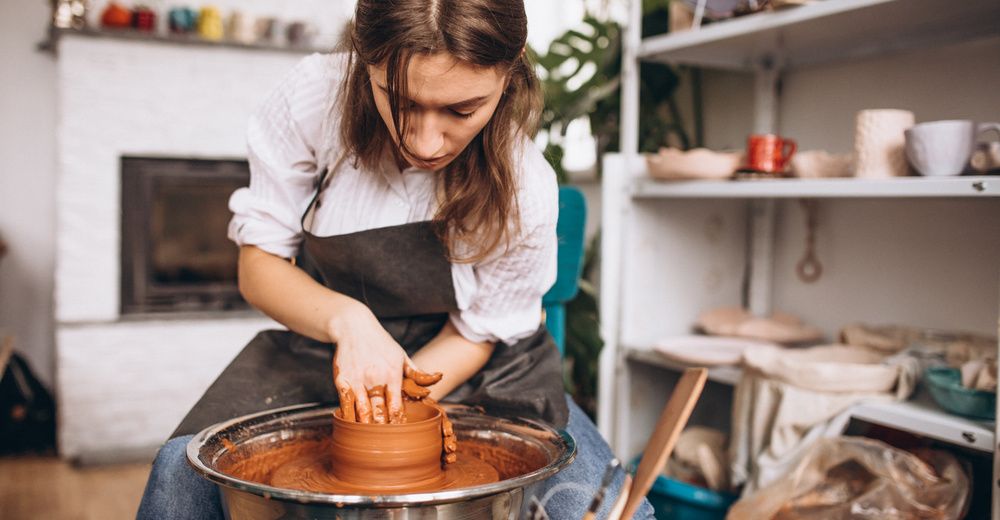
{"x": 290, "y": 296}
{"x": 454, "y": 356}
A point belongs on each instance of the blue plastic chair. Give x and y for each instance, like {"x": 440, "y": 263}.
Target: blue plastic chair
{"x": 570, "y": 230}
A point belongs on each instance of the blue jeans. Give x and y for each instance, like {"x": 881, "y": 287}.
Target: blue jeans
{"x": 175, "y": 491}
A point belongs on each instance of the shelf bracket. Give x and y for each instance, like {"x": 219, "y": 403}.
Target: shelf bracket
{"x": 760, "y": 255}
{"x": 760, "y": 245}
{"x": 767, "y": 94}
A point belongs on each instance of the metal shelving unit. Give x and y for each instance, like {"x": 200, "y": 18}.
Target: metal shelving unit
{"x": 639, "y": 214}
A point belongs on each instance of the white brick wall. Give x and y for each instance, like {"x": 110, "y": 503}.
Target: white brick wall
{"x": 124, "y": 385}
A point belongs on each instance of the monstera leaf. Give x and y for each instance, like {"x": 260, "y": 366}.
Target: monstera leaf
{"x": 581, "y": 76}
{"x": 580, "y": 69}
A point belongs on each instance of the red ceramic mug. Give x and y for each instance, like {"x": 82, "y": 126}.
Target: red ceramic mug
{"x": 769, "y": 153}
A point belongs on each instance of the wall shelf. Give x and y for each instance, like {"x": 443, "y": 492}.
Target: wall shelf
{"x": 51, "y": 42}
{"x": 826, "y": 31}
{"x": 727, "y": 375}
{"x": 919, "y": 415}
{"x": 922, "y": 416}
{"x": 907, "y": 187}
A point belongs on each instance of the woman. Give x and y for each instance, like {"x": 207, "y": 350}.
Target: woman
{"x": 421, "y": 219}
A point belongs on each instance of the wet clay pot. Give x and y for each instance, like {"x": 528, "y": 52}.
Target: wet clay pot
{"x": 388, "y": 457}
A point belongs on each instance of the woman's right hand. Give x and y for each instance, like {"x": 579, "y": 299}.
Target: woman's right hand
{"x": 369, "y": 367}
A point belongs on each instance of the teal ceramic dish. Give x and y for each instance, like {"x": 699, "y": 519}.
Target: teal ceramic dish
{"x": 945, "y": 385}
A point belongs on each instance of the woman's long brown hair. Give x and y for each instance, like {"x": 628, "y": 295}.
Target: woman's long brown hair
{"x": 478, "y": 207}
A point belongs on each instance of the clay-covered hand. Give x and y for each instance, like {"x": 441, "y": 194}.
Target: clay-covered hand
{"x": 368, "y": 367}
{"x": 415, "y": 382}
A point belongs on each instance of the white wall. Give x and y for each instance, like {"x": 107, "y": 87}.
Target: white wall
{"x": 818, "y": 104}
{"x": 27, "y": 182}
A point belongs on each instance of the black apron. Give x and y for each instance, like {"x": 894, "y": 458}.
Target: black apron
{"x": 403, "y": 275}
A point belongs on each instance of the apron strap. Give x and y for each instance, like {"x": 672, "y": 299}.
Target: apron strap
{"x": 321, "y": 183}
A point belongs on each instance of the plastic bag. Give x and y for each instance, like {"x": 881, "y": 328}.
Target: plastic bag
{"x": 855, "y": 477}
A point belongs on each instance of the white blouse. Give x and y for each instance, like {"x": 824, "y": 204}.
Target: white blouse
{"x": 290, "y": 141}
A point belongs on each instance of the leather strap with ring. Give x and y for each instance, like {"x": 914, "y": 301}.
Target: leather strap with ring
{"x": 809, "y": 268}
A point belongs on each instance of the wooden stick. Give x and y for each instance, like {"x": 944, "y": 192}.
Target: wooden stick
{"x": 672, "y": 420}
{"x": 619, "y": 506}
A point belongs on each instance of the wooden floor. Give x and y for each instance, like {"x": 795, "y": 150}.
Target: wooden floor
{"x": 47, "y": 487}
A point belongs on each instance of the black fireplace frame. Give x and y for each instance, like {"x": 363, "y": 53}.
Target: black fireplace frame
{"x": 140, "y": 294}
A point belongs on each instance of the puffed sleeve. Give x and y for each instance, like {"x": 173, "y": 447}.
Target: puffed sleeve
{"x": 506, "y": 302}
{"x": 283, "y": 137}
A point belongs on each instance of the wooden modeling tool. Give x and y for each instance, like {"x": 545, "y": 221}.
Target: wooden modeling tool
{"x": 672, "y": 420}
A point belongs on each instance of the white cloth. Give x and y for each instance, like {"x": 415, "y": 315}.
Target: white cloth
{"x": 788, "y": 399}
{"x": 289, "y": 143}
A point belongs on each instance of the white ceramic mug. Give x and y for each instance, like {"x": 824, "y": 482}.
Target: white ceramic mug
{"x": 941, "y": 148}
{"x": 878, "y": 143}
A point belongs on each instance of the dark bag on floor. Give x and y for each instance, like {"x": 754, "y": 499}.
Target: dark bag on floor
{"x": 27, "y": 410}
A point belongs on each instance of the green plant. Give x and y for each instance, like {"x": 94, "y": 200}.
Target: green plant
{"x": 581, "y": 75}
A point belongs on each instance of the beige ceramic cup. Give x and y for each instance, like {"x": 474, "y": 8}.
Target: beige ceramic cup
{"x": 879, "y": 143}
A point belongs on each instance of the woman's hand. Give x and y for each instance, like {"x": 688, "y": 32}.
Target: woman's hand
{"x": 369, "y": 366}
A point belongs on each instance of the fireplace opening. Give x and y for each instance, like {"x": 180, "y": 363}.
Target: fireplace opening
{"x": 175, "y": 253}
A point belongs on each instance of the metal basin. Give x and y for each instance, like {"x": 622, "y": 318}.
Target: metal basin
{"x": 545, "y": 451}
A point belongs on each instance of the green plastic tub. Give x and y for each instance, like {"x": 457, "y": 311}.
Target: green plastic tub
{"x": 676, "y": 500}
{"x": 945, "y": 385}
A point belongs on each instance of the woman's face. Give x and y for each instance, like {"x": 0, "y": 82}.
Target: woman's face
{"x": 449, "y": 103}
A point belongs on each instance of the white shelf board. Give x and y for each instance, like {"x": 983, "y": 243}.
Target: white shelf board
{"x": 728, "y": 375}
{"x": 903, "y": 187}
{"x": 919, "y": 416}
{"x": 824, "y": 31}
{"x": 923, "y": 417}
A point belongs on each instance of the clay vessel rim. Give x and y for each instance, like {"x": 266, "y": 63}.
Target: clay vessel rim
{"x": 436, "y": 416}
